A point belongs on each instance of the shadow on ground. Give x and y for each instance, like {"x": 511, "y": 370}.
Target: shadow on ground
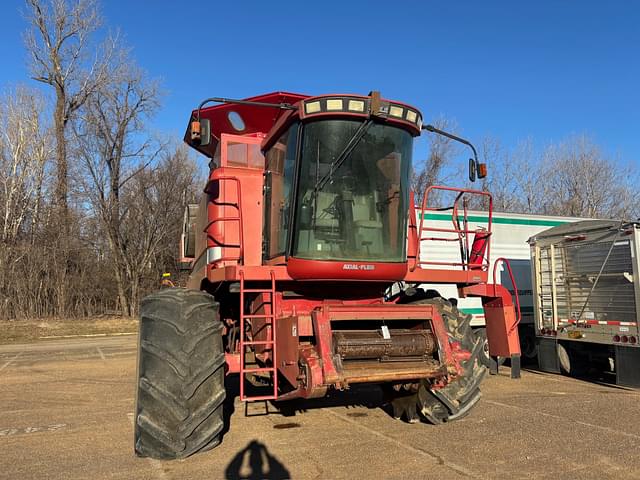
{"x": 254, "y": 462}
{"x": 368, "y": 396}
{"x": 593, "y": 375}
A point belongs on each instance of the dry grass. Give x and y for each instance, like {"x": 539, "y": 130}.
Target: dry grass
{"x": 20, "y": 331}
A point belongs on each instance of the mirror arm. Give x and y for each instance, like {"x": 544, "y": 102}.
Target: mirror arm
{"x": 432, "y": 129}
{"x": 282, "y": 106}
{"x": 195, "y": 123}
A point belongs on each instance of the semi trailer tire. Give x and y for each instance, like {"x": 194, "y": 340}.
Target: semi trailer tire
{"x": 180, "y": 391}
{"x": 457, "y": 399}
{"x": 528, "y": 344}
{"x": 572, "y": 362}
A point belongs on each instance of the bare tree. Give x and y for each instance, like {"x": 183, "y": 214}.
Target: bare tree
{"x": 155, "y": 201}
{"x": 441, "y": 150}
{"x": 115, "y": 146}
{"x": 570, "y": 178}
{"x": 63, "y": 56}
{"x": 516, "y": 177}
{"x": 24, "y": 151}
{"x": 24, "y": 154}
{"x": 583, "y": 182}
{"x": 99, "y": 243}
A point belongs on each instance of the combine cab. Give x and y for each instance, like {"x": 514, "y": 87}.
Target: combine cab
{"x": 306, "y": 260}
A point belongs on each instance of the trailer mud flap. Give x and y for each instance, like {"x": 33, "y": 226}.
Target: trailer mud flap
{"x": 627, "y": 366}
{"x": 548, "y": 355}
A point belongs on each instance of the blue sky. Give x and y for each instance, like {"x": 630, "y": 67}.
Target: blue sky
{"x": 543, "y": 69}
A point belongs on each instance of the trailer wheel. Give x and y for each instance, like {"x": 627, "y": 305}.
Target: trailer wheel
{"x": 180, "y": 375}
{"x": 572, "y": 362}
{"x": 457, "y": 399}
{"x": 528, "y": 343}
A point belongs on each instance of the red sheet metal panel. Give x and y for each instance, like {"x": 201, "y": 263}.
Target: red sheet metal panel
{"x": 255, "y": 119}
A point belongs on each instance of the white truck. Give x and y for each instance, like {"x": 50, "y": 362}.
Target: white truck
{"x": 586, "y": 283}
{"x": 509, "y": 235}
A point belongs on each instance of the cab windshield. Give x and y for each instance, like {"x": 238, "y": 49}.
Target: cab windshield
{"x": 354, "y": 208}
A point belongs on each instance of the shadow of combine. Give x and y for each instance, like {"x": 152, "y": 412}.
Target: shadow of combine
{"x": 254, "y": 462}
{"x": 232, "y": 389}
{"x": 367, "y": 396}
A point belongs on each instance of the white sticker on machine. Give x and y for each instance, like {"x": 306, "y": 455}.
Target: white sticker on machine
{"x": 385, "y": 332}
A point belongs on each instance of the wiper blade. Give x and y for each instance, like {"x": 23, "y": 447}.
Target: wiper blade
{"x": 353, "y": 143}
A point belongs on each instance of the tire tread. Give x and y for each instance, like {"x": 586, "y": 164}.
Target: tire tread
{"x": 456, "y": 399}
{"x": 181, "y": 361}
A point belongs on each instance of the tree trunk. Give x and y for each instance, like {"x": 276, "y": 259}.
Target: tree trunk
{"x": 122, "y": 294}
{"x": 135, "y": 296}
{"x": 60, "y": 123}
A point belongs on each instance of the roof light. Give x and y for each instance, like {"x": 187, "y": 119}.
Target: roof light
{"x": 334, "y": 104}
{"x": 396, "y": 111}
{"x": 361, "y": 107}
{"x": 312, "y": 107}
{"x": 356, "y": 105}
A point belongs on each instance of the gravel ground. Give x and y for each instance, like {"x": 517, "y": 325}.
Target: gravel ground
{"x": 67, "y": 413}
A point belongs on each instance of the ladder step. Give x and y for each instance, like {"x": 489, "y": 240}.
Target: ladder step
{"x": 270, "y": 320}
{"x": 259, "y": 398}
{"x": 261, "y": 369}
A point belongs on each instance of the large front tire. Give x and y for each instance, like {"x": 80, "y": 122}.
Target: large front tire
{"x": 180, "y": 377}
{"x": 457, "y": 399}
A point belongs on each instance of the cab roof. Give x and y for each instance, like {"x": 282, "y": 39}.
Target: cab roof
{"x": 244, "y": 119}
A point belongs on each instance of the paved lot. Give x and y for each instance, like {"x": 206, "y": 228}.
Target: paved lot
{"x": 66, "y": 412}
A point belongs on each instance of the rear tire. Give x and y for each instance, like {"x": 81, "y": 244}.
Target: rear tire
{"x": 456, "y": 400}
{"x": 180, "y": 375}
{"x": 572, "y": 363}
{"x": 528, "y": 343}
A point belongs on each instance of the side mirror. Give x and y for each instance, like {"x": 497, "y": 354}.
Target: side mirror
{"x": 205, "y": 132}
{"x": 472, "y": 170}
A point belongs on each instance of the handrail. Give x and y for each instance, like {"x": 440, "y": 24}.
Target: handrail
{"x": 462, "y": 233}
{"x": 238, "y": 218}
{"x": 515, "y": 288}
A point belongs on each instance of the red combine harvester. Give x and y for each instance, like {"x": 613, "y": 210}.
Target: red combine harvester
{"x": 307, "y": 255}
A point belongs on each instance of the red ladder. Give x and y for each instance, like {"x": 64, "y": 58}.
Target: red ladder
{"x": 245, "y": 323}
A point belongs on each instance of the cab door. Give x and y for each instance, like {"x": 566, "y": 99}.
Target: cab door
{"x": 278, "y": 193}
